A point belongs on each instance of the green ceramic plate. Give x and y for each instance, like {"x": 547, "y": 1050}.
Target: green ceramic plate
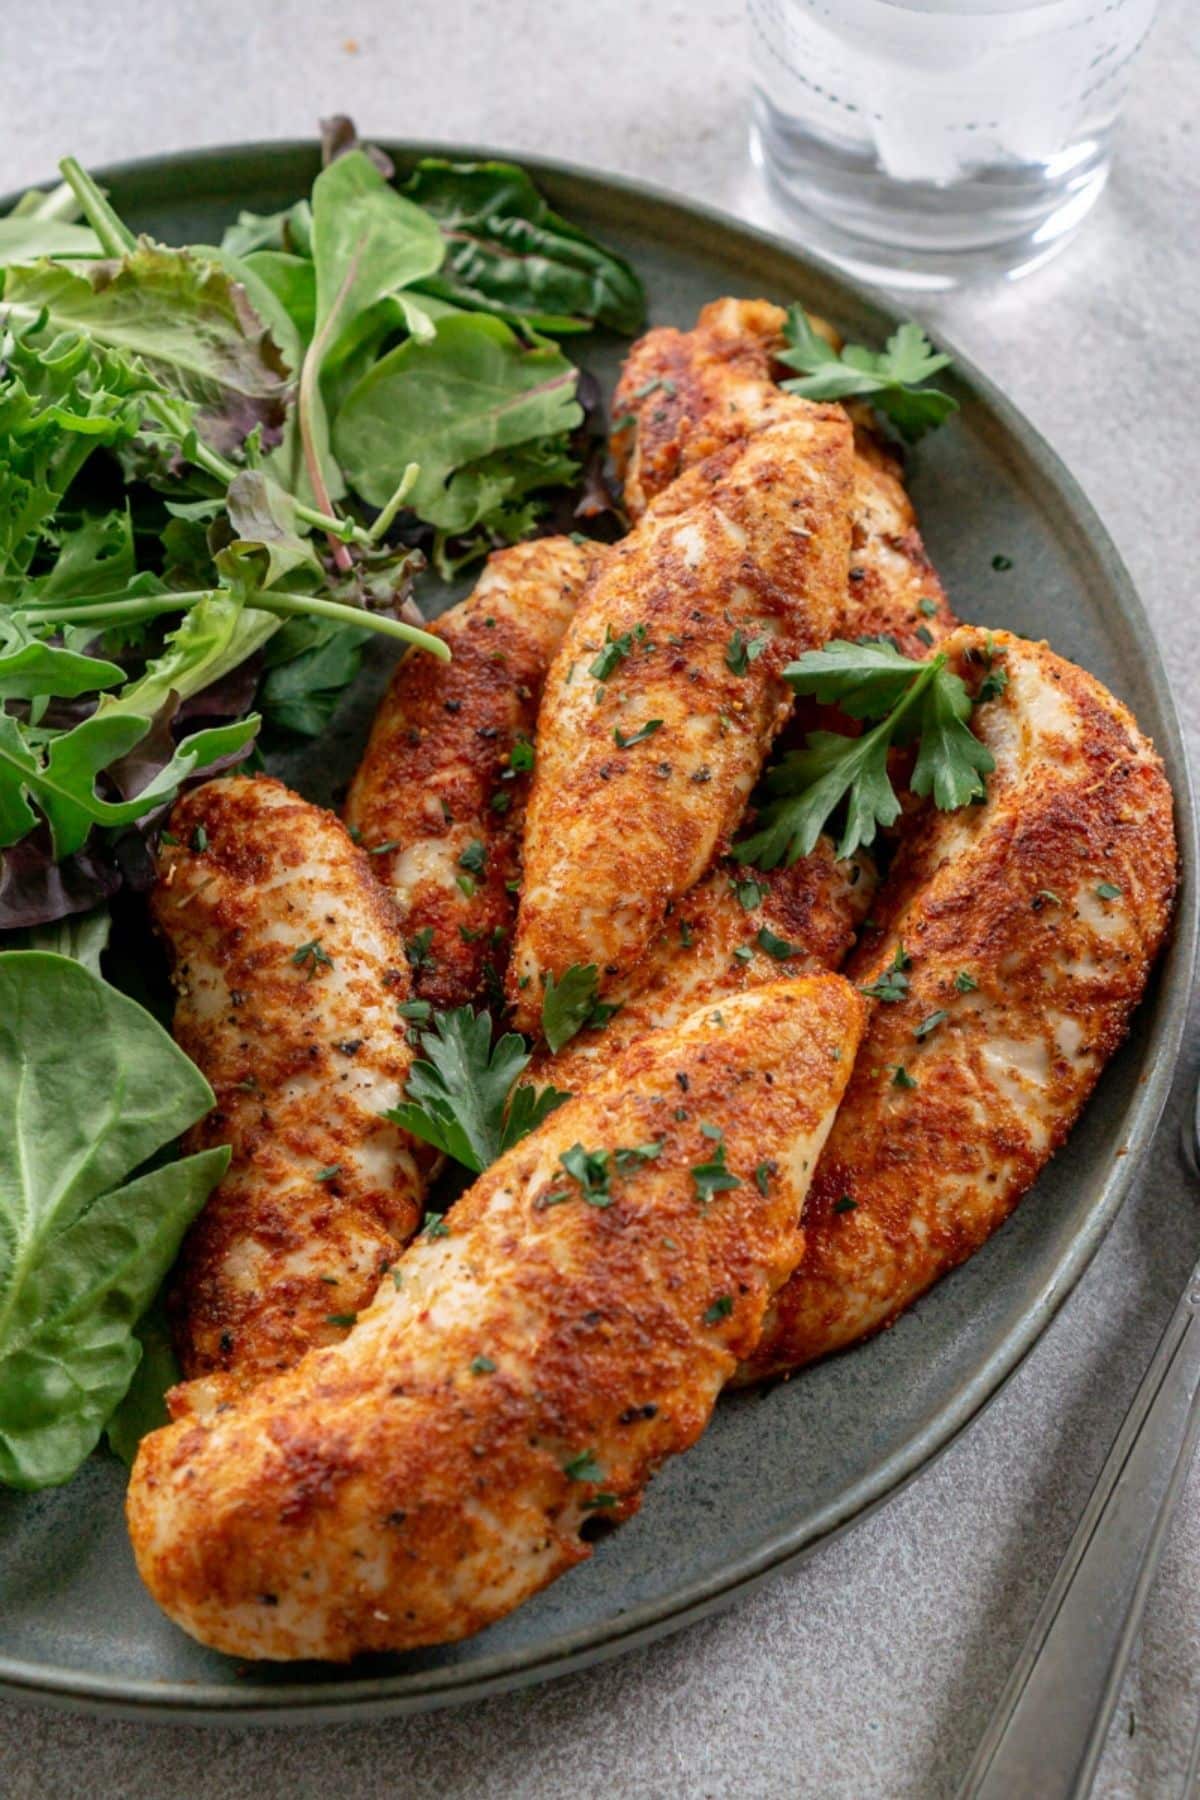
{"x": 777, "y": 1474}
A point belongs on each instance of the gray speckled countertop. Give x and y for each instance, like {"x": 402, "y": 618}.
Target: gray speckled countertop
{"x": 870, "y": 1669}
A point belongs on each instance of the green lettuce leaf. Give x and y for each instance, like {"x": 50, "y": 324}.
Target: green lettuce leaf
{"x": 91, "y": 1088}
{"x": 476, "y": 390}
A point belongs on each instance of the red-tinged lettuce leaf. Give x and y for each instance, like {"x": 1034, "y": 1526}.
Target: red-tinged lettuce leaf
{"x": 37, "y": 890}
{"x": 184, "y": 318}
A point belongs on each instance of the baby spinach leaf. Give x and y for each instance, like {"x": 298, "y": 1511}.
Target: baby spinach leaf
{"x": 367, "y": 242}
{"x": 144, "y": 1407}
{"x": 475, "y": 390}
{"x": 508, "y": 253}
{"x": 90, "y": 1089}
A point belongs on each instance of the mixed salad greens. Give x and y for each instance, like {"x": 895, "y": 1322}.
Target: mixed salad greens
{"x": 221, "y": 469}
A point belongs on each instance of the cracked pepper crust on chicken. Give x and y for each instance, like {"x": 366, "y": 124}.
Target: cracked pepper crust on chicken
{"x": 737, "y": 929}
{"x": 1032, "y": 923}
{"x": 437, "y": 782}
{"x": 667, "y": 691}
{"x": 288, "y": 968}
{"x": 523, "y": 1373}
{"x": 690, "y": 393}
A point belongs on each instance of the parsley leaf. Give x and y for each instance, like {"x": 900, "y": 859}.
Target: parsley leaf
{"x": 892, "y": 985}
{"x": 910, "y": 699}
{"x": 741, "y": 651}
{"x": 890, "y": 377}
{"x": 590, "y": 1169}
{"x": 636, "y": 737}
{"x": 714, "y": 1176}
{"x": 614, "y": 651}
{"x": 570, "y": 1003}
{"x": 460, "y": 1097}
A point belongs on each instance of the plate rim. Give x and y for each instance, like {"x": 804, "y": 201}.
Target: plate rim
{"x": 321, "y": 1700}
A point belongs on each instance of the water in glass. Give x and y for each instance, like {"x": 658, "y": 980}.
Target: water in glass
{"x": 921, "y": 141}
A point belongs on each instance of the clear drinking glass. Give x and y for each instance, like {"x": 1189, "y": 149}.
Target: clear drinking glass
{"x": 922, "y": 142}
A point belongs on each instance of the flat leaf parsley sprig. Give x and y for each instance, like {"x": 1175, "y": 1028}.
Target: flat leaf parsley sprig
{"x": 907, "y": 701}
{"x": 462, "y": 1096}
{"x": 890, "y": 378}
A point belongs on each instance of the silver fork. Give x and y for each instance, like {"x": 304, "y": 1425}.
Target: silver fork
{"x": 1049, "y": 1727}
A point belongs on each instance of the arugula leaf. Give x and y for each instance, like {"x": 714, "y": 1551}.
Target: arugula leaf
{"x": 922, "y": 699}
{"x": 90, "y": 1088}
{"x": 569, "y": 1003}
{"x": 461, "y": 1098}
{"x": 62, "y": 778}
{"x": 507, "y": 252}
{"x": 474, "y": 391}
{"x": 891, "y": 377}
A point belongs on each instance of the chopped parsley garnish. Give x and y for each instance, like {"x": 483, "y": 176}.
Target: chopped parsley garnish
{"x": 521, "y": 757}
{"x": 341, "y": 1318}
{"x": 845, "y": 1204}
{"x": 992, "y": 686}
{"x": 614, "y": 651}
{"x": 744, "y": 953}
{"x": 774, "y": 946}
{"x": 892, "y": 985}
{"x": 583, "y": 1467}
{"x": 329, "y": 1173}
{"x": 474, "y": 857}
{"x": 636, "y": 737}
{"x": 482, "y": 1365}
{"x": 928, "y": 607}
{"x": 965, "y": 983}
{"x": 1001, "y": 562}
{"x": 930, "y": 1024}
{"x": 312, "y": 957}
{"x": 686, "y": 935}
{"x": 418, "y": 951}
{"x": 415, "y": 1009}
{"x": 1108, "y": 890}
{"x": 890, "y": 378}
{"x": 925, "y": 635}
{"x": 500, "y": 801}
{"x": 714, "y": 1176}
{"x": 465, "y": 885}
{"x": 763, "y": 1174}
{"x": 462, "y": 1095}
{"x": 721, "y": 1308}
{"x": 435, "y": 1226}
{"x": 199, "y": 840}
{"x": 902, "y": 1078}
{"x": 1045, "y": 897}
{"x": 749, "y": 893}
{"x": 590, "y": 1169}
{"x": 909, "y": 701}
{"x": 630, "y": 1159}
{"x": 741, "y": 651}
{"x": 385, "y": 847}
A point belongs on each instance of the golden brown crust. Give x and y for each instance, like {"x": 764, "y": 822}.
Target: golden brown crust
{"x": 753, "y": 542}
{"x": 536, "y": 1365}
{"x": 690, "y": 393}
{"x": 714, "y": 945}
{"x": 288, "y": 968}
{"x": 1053, "y": 899}
{"x": 436, "y": 779}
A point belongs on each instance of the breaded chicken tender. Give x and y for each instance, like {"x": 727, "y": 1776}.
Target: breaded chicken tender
{"x": 667, "y": 691}
{"x": 288, "y": 969}
{"x": 527, "y": 1369}
{"x": 688, "y": 393}
{"x": 439, "y": 797}
{"x": 737, "y": 929}
{"x": 1017, "y": 939}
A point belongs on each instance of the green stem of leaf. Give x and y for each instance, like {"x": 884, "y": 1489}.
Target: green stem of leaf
{"x": 306, "y": 398}
{"x": 115, "y": 236}
{"x": 103, "y": 611}
{"x": 407, "y": 483}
